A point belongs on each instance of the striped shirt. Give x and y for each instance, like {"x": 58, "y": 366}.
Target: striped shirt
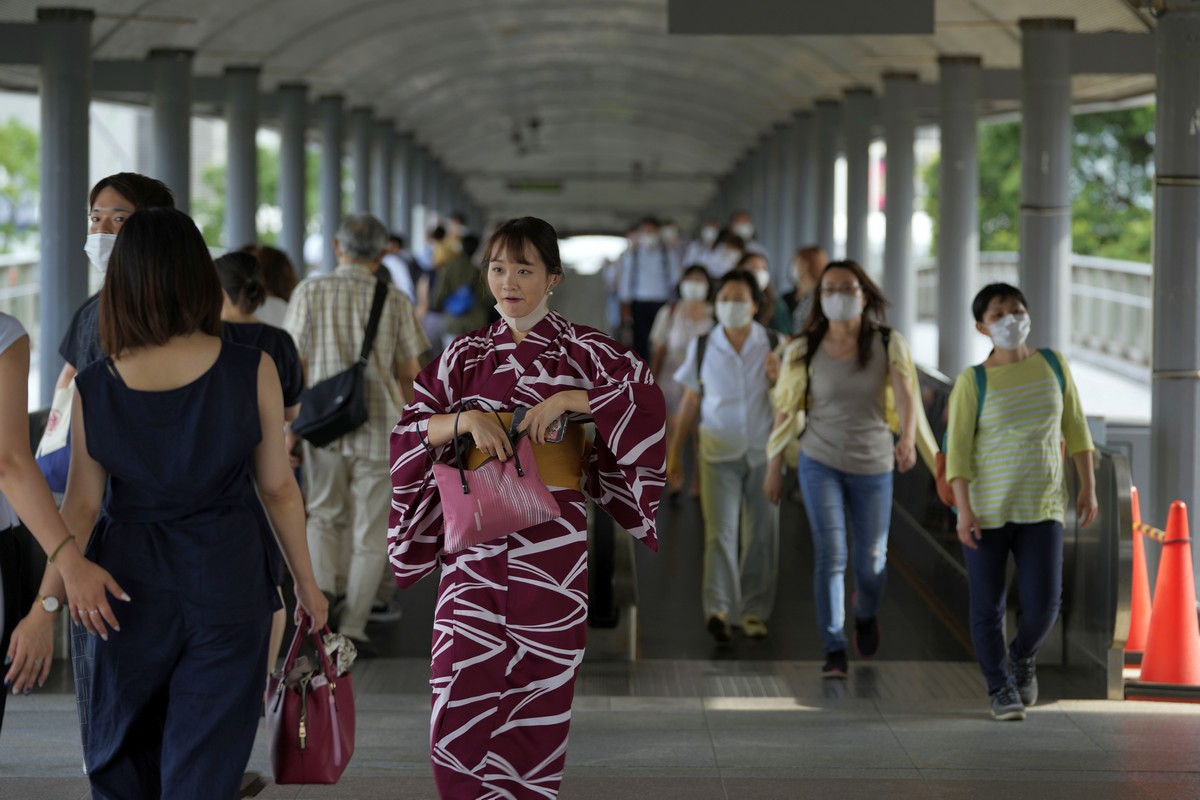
{"x": 1013, "y": 454}
{"x": 327, "y": 317}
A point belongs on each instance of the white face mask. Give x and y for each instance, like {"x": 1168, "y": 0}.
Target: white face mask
{"x": 744, "y": 230}
{"x": 1011, "y": 331}
{"x": 693, "y": 290}
{"x": 841, "y": 307}
{"x": 729, "y": 258}
{"x": 734, "y": 313}
{"x": 99, "y": 249}
{"x": 529, "y": 321}
{"x": 764, "y": 279}
{"x": 708, "y": 234}
{"x": 648, "y": 240}
{"x": 670, "y": 235}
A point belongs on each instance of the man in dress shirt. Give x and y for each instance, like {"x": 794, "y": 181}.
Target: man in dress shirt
{"x": 648, "y": 273}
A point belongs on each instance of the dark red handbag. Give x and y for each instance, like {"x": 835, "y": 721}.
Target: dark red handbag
{"x": 310, "y": 718}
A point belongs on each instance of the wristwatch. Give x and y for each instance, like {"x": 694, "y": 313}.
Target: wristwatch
{"x": 50, "y": 604}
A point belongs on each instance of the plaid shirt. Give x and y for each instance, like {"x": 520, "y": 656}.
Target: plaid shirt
{"x": 327, "y": 316}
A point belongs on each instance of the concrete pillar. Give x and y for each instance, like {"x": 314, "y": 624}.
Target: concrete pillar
{"x": 241, "y": 165}
{"x": 762, "y": 171}
{"x": 899, "y": 271}
{"x": 402, "y": 209}
{"x": 293, "y": 170}
{"x": 857, "y": 121}
{"x": 1175, "y": 397}
{"x": 774, "y": 237}
{"x": 171, "y": 121}
{"x": 360, "y": 158}
{"x": 1045, "y": 178}
{"x": 958, "y": 212}
{"x": 420, "y": 195}
{"x": 805, "y": 146}
{"x": 789, "y": 196}
{"x": 66, "y": 89}
{"x": 330, "y": 183}
{"x": 382, "y": 141}
{"x": 828, "y": 118}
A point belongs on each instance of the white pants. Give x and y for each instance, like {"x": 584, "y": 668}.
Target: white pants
{"x": 348, "y": 503}
{"x": 738, "y": 581}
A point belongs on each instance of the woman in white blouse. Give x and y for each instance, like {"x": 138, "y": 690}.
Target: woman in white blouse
{"x": 727, "y": 378}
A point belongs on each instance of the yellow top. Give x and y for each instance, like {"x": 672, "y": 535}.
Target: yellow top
{"x": 791, "y": 391}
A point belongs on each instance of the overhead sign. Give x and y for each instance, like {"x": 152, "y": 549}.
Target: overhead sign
{"x": 795, "y": 18}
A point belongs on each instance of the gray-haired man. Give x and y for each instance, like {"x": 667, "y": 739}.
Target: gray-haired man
{"x": 349, "y": 483}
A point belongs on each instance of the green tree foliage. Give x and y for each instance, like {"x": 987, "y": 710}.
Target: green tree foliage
{"x": 20, "y": 174}
{"x": 1111, "y": 184}
{"x": 209, "y": 210}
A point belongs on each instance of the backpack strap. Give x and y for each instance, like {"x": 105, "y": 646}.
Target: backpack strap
{"x": 773, "y": 338}
{"x": 980, "y": 389}
{"x": 701, "y": 346}
{"x": 886, "y": 334}
{"x": 1055, "y": 366}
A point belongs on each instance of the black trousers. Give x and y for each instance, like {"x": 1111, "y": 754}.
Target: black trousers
{"x": 21, "y": 565}
{"x": 644, "y": 312}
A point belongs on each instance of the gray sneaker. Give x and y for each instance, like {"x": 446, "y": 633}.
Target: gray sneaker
{"x": 1024, "y": 671}
{"x": 1006, "y": 704}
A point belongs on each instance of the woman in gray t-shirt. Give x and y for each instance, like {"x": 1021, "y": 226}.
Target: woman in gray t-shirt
{"x": 848, "y": 451}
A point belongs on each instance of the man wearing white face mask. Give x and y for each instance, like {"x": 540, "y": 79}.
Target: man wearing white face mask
{"x": 110, "y": 203}
{"x": 741, "y": 224}
{"x": 699, "y": 251}
{"x": 647, "y": 276}
{"x": 1009, "y": 419}
{"x": 727, "y": 378}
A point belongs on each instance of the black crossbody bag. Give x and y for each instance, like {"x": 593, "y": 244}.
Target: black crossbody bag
{"x": 338, "y": 405}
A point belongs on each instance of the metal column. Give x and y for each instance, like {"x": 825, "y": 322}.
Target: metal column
{"x": 330, "y": 183}
{"x": 805, "y": 209}
{"x": 171, "y": 108}
{"x": 788, "y": 196}
{"x": 828, "y": 117}
{"x": 420, "y": 200}
{"x": 857, "y": 123}
{"x": 382, "y": 140}
{"x": 772, "y": 222}
{"x": 402, "y": 220}
{"x": 1175, "y": 398}
{"x": 293, "y": 170}
{"x": 241, "y": 116}
{"x": 899, "y": 271}
{"x": 762, "y": 168}
{"x": 66, "y": 89}
{"x": 958, "y": 212}
{"x": 1045, "y": 173}
{"x": 360, "y": 158}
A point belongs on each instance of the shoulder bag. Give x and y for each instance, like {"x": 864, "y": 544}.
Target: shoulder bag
{"x": 338, "y": 405}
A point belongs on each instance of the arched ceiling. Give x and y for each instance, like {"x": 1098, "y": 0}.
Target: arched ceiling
{"x": 606, "y": 83}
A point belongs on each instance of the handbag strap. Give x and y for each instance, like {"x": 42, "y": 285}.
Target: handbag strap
{"x": 459, "y": 459}
{"x": 373, "y": 321}
{"x": 322, "y": 656}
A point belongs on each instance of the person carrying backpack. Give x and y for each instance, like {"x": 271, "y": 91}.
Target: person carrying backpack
{"x": 727, "y": 376}
{"x": 1004, "y": 463}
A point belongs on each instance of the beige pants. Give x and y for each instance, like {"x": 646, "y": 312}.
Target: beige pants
{"x": 348, "y": 503}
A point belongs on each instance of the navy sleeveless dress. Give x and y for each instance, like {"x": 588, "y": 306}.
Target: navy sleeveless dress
{"x": 171, "y": 703}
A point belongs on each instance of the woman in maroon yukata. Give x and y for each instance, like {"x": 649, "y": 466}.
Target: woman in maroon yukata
{"x": 510, "y": 625}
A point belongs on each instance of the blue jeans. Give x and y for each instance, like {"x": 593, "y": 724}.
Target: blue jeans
{"x": 1038, "y": 551}
{"x": 832, "y": 498}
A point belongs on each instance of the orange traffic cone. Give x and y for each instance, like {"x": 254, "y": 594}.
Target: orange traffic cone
{"x": 1139, "y": 610}
{"x": 1172, "y": 652}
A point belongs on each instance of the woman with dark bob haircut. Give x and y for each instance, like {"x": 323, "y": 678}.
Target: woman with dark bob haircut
{"x": 511, "y": 617}
{"x": 180, "y": 426}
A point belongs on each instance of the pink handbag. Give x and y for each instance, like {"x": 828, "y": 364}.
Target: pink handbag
{"x": 310, "y": 716}
{"x": 494, "y": 499}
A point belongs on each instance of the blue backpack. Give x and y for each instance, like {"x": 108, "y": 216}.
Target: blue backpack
{"x": 945, "y": 493}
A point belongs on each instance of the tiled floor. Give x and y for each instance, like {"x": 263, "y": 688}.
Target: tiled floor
{"x": 886, "y": 736}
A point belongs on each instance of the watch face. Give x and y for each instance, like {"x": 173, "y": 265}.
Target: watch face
{"x": 51, "y": 604}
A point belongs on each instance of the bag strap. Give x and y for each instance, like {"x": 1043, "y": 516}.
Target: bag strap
{"x": 458, "y": 454}
{"x": 701, "y": 346}
{"x": 294, "y": 650}
{"x": 373, "y": 321}
{"x": 1055, "y": 366}
{"x": 980, "y": 389}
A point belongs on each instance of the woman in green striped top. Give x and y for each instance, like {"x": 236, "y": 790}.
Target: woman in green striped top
{"x": 1004, "y": 461}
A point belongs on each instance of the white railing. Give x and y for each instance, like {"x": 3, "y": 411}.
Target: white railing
{"x": 1110, "y": 301}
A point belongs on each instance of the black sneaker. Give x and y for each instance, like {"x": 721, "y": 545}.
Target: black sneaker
{"x": 720, "y": 628}
{"x": 866, "y": 636}
{"x": 1006, "y": 704}
{"x": 381, "y": 611}
{"x": 1024, "y": 672}
{"x": 836, "y": 665}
